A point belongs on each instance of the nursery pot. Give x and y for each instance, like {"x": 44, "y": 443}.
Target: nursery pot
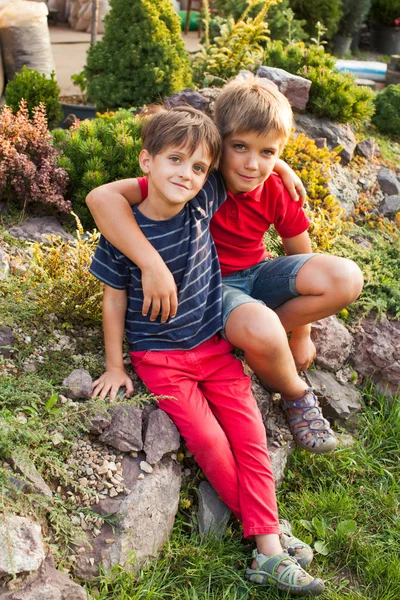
{"x": 81, "y": 111}
{"x": 341, "y": 45}
{"x": 386, "y": 40}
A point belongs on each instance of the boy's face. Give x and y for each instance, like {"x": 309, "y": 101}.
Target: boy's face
{"x": 176, "y": 175}
{"x": 248, "y": 159}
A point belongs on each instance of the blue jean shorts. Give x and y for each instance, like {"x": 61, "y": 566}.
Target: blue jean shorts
{"x": 271, "y": 282}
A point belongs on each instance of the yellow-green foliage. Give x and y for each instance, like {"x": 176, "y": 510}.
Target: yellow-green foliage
{"x": 312, "y": 164}
{"x": 63, "y": 283}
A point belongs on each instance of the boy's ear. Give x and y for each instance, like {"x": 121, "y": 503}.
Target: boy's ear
{"x": 144, "y": 161}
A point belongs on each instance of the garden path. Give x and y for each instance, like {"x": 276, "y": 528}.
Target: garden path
{"x": 69, "y": 49}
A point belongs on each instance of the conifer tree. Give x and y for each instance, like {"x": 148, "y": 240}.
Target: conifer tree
{"x": 141, "y": 58}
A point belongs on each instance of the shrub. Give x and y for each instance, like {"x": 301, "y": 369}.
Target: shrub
{"x": 97, "y": 152}
{"x": 387, "y": 110}
{"x": 28, "y": 160}
{"x": 312, "y": 164}
{"x": 327, "y": 12}
{"x": 385, "y": 12}
{"x": 63, "y": 284}
{"x": 353, "y": 16}
{"x": 141, "y": 58}
{"x": 333, "y": 95}
{"x": 239, "y": 45}
{"x": 35, "y": 89}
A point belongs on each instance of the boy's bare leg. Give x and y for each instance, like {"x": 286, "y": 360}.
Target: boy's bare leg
{"x": 326, "y": 284}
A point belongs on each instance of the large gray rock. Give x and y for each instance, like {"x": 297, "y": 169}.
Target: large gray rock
{"x": 25, "y": 467}
{"x": 7, "y": 341}
{"x": 390, "y": 206}
{"x": 338, "y": 401}
{"x": 46, "y": 584}
{"x": 336, "y": 134}
{"x": 161, "y": 437}
{"x": 333, "y": 343}
{"x": 78, "y": 384}
{"x": 295, "y": 88}
{"x": 125, "y": 430}
{"x": 388, "y": 182}
{"x": 376, "y": 352}
{"x": 188, "y": 97}
{"x": 368, "y": 148}
{"x": 36, "y": 230}
{"x": 279, "y": 456}
{"x": 21, "y": 545}
{"x": 343, "y": 187}
{"x": 4, "y": 264}
{"x": 143, "y": 519}
{"x": 213, "y": 514}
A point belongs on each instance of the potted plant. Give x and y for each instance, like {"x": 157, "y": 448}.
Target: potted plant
{"x": 353, "y": 16}
{"x": 385, "y": 21}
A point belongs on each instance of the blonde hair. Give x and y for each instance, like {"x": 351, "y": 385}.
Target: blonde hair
{"x": 180, "y": 126}
{"x": 253, "y": 104}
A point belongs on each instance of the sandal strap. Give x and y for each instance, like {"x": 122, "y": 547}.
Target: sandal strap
{"x": 291, "y": 575}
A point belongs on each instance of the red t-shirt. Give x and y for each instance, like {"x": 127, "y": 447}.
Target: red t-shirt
{"x": 240, "y": 223}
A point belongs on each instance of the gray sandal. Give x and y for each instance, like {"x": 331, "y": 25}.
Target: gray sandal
{"x": 322, "y": 439}
{"x": 297, "y": 549}
{"x": 282, "y": 572}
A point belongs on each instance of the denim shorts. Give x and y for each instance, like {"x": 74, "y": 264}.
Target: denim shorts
{"x": 271, "y": 282}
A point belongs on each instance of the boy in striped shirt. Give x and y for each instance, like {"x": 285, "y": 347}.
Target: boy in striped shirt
{"x": 185, "y": 362}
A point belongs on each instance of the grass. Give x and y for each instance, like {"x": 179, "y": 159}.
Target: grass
{"x": 346, "y": 503}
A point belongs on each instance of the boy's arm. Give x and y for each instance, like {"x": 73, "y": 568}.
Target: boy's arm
{"x": 110, "y": 207}
{"x": 301, "y": 345}
{"x": 114, "y": 309}
{"x": 291, "y": 181}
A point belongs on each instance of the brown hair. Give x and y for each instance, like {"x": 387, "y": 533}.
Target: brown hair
{"x": 180, "y": 126}
{"x": 253, "y": 104}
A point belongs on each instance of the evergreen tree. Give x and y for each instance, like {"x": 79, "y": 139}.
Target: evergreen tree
{"x": 141, "y": 58}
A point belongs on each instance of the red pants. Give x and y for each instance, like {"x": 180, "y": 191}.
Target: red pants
{"x": 217, "y": 415}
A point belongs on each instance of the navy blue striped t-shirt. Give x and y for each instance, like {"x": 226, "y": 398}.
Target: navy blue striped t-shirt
{"x": 185, "y": 244}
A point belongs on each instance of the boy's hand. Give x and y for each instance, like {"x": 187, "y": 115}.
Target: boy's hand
{"x": 291, "y": 181}
{"x": 160, "y": 292}
{"x": 303, "y": 350}
{"x": 110, "y": 382}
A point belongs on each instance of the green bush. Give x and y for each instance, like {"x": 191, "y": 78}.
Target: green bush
{"x": 97, "y": 152}
{"x": 333, "y": 95}
{"x": 353, "y": 16}
{"x": 35, "y": 88}
{"x": 387, "y": 110}
{"x": 141, "y": 58}
{"x": 385, "y": 12}
{"x": 327, "y": 12}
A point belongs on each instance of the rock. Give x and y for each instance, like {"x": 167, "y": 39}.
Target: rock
{"x": 161, "y": 437}
{"x": 210, "y": 94}
{"x": 376, "y": 352}
{"x": 295, "y": 88}
{"x": 346, "y": 440}
{"x": 27, "y": 469}
{"x": 213, "y": 514}
{"x": 21, "y": 545}
{"x": 339, "y": 402}
{"x": 333, "y": 342}
{"x": 96, "y": 423}
{"x": 390, "y": 206}
{"x": 36, "y": 230}
{"x": 336, "y": 134}
{"x": 143, "y": 520}
{"x": 321, "y": 142}
{"x": 278, "y": 457}
{"x": 7, "y": 341}
{"x": 78, "y": 384}
{"x": 367, "y": 148}
{"x": 145, "y": 466}
{"x": 188, "y": 96}
{"x": 125, "y": 431}
{"x": 4, "y": 264}
{"x": 343, "y": 187}
{"x": 388, "y": 182}
{"x": 46, "y": 584}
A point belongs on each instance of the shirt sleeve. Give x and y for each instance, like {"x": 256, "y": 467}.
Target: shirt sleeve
{"x": 144, "y": 186}
{"x": 213, "y": 194}
{"x": 110, "y": 266}
{"x": 289, "y": 219}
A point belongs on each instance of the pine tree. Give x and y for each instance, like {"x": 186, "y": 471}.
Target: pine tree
{"x": 141, "y": 58}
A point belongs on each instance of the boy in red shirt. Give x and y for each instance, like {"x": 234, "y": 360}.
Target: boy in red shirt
{"x": 263, "y": 298}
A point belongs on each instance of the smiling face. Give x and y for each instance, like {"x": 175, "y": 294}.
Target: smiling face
{"x": 175, "y": 177}
{"x": 248, "y": 159}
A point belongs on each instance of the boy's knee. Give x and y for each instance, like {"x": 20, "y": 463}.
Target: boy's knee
{"x": 350, "y": 280}
{"x": 266, "y": 335}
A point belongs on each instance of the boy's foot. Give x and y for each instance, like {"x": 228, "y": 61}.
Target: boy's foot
{"x": 310, "y": 429}
{"x": 297, "y": 549}
{"x": 283, "y": 572}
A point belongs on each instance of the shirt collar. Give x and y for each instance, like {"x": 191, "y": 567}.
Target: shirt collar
{"x": 253, "y": 195}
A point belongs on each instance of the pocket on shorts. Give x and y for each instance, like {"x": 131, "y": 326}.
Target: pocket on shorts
{"x": 140, "y": 358}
